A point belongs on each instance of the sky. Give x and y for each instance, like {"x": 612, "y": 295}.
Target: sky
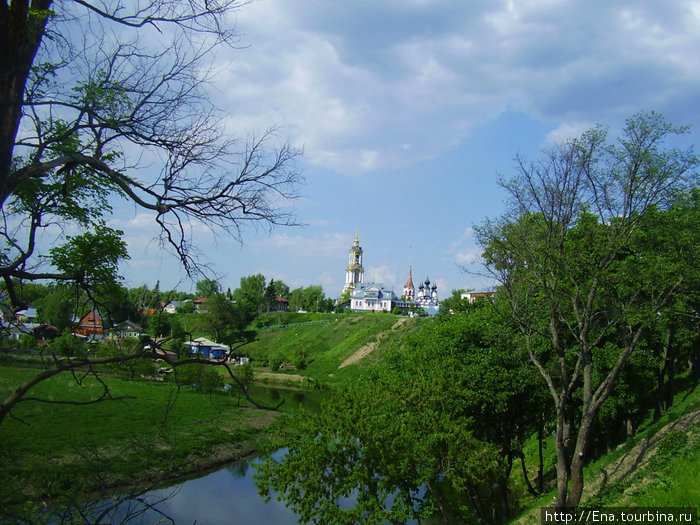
{"x": 408, "y": 111}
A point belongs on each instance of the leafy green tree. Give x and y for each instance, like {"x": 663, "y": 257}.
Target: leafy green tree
{"x": 454, "y": 303}
{"x": 270, "y": 296}
{"x": 281, "y": 288}
{"x": 312, "y": 298}
{"x": 250, "y": 296}
{"x": 57, "y": 307}
{"x": 142, "y": 297}
{"x": 88, "y": 122}
{"x": 187, "y": 307}
{"x": 200, "y": 376}
{"x": 295, "y": 299}
{"x": 116, "y": 304}
{"x": 32, "y": 292}
{"x": 573, "y": 283}
{"x": 67, "y": 345}
{"x": 159, "y": 324}
{"x": 207, "y": 288}
{"x": 177, "y": 329}
{"x": 223, "y": 319}
{"x": 345, "y": 296}
{"x": 438, "y": 427}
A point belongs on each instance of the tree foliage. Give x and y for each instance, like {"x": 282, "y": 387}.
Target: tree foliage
{"x": 432, "y": 432}
{"x": 104, "y": 104}
{"x": 579, "y": 285}
{"x": 207, "y": 288}
{"x": 86, "y": 121}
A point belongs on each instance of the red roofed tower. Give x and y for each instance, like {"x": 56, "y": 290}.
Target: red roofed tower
{"x": 409, "y": 290}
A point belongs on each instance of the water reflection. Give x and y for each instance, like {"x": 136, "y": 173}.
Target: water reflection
{"x": 239, "y": 469}
{"x": 227, "y": 496}
{"x": 293, "y": 399}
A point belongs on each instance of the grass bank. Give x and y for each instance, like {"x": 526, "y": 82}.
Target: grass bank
{"x": 328, "y": 341}
{"x": 658, "y": 467}
{"x": 151, "y": 433}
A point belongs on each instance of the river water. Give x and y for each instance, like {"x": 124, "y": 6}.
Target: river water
{"x": 226, "y": 496}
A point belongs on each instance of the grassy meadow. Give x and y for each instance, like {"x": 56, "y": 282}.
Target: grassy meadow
{"x": 154, "y": 432}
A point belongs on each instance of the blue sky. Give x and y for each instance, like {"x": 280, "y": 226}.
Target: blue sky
{"x": 408, "y": 110}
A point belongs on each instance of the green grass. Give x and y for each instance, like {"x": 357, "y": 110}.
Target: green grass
{"x": 328, "y": 345}
{"x": 154, "y": 431}
{"x": 660, "y": 465}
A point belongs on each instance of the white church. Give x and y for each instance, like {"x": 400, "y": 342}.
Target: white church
{"x": 374, "y": 297}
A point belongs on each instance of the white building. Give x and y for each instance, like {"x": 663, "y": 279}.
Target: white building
{"x": 372, "y": 297}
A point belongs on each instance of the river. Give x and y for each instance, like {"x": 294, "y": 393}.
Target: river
{"x": 227, "y": 495}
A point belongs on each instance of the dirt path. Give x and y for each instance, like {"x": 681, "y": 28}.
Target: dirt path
{"x": 370, "y": 347}
{"x": 281, "y": 377}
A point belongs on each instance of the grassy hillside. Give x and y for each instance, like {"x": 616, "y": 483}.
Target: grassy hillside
{"x": 659, "y": 467}
{"x": 330, "y": 340}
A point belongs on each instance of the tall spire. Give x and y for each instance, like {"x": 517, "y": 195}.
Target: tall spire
{"x": 409, "y": 290}
{"x": 409, "y": 281}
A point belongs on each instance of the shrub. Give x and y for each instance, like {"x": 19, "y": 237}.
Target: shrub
{"x": 300, "y": 357}
{"x": 275, "y": 362}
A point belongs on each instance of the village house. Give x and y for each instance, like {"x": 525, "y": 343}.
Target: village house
{"x": 200, "y": 305}
{"x": 473, "y": 296}
{"x": 124, "y": 330}
{"x": 172, "y": 307}
{"x": 207, "y": 349}
{"x": 90, "y": 326}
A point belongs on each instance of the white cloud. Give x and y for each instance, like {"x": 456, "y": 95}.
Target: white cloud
{"x": 355, "y": 83}
{"x": 567, "y": 131}
{"x": 383, "y": 274}
{"x": 326, "y": 245}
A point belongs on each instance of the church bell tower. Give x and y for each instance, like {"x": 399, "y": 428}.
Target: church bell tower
{"x": 355, "y": 271}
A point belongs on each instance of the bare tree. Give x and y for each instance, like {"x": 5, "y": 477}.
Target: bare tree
{"x": 104, "y": 100}
{"x": 558, "y": 255}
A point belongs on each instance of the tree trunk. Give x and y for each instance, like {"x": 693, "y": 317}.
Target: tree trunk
{"x": 540, "y": 470}
{"x": 530, "y": 488}
{"x": 579, "y": 459}
{"x": 630, "y": 427}
{"x": 661, "y": 386}
{"x": 562, "y": 449}
{"x": 21, "y": 38}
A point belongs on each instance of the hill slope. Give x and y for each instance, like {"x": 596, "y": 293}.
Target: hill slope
{"x": 658, "y": 468}
{"x": 336, "y": 346}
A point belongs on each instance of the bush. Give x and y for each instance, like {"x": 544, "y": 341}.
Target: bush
{"x": 67, "y": 345}
{"x": 133, "y": 368}
{"x": 275, "y": 362}
{"x": 200, "y": 376}
{"x": 300, "y": 357}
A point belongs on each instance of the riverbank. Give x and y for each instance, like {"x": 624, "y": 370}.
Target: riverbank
{"x": 149, "y": 434}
